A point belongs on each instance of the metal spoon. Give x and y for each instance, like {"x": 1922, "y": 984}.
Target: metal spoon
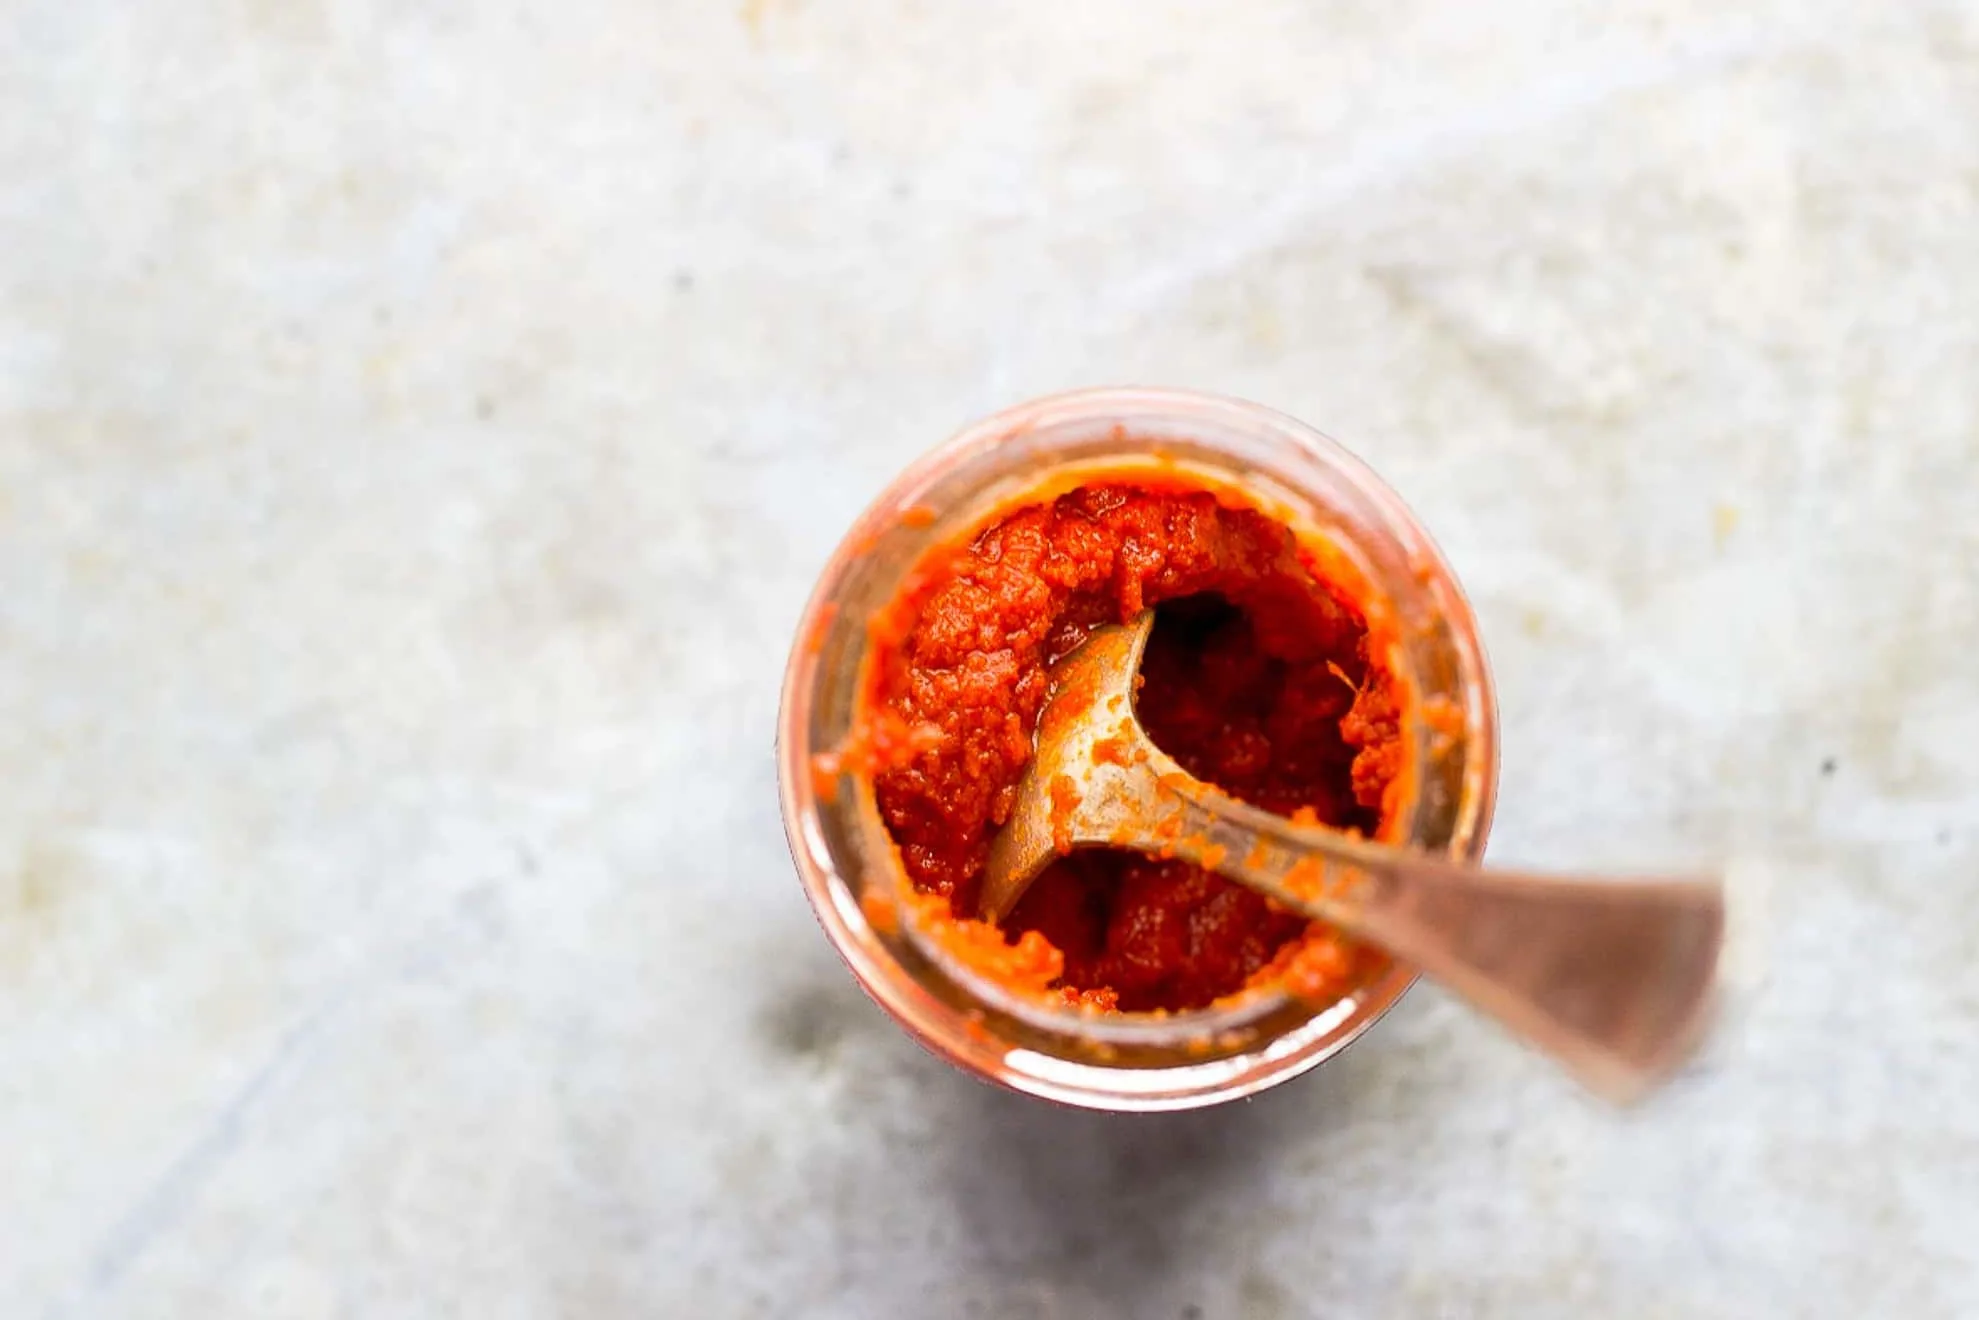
{"x": 1612, "y": 978}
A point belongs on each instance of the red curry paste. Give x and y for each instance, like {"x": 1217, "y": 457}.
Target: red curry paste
{"x": 1258, "y": 678}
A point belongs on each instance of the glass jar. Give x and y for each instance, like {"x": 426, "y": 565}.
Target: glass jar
{"x": 1336, "y": 506}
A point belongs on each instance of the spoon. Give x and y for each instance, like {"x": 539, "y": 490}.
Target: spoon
{"x": 1612, "y": 978}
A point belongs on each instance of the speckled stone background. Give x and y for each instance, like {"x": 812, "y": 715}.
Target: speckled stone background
{"x": 420, "y": 422}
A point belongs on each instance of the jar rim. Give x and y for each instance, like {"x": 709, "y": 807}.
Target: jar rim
{"x": 1137, "y": 416}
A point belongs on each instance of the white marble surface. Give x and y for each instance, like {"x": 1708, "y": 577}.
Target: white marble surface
{"x": 419, "y": 423}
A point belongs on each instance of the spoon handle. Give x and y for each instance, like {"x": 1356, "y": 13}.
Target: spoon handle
{"x": 1614, "y": 978}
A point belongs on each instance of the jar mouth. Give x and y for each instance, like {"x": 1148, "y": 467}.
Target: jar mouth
{"x": 1333, "y": 503}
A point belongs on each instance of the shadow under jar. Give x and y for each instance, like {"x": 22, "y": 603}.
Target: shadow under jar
{"x": 900, "y": 941}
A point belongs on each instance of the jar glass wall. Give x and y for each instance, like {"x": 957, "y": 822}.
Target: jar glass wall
{"x": 1338, "y": 508}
